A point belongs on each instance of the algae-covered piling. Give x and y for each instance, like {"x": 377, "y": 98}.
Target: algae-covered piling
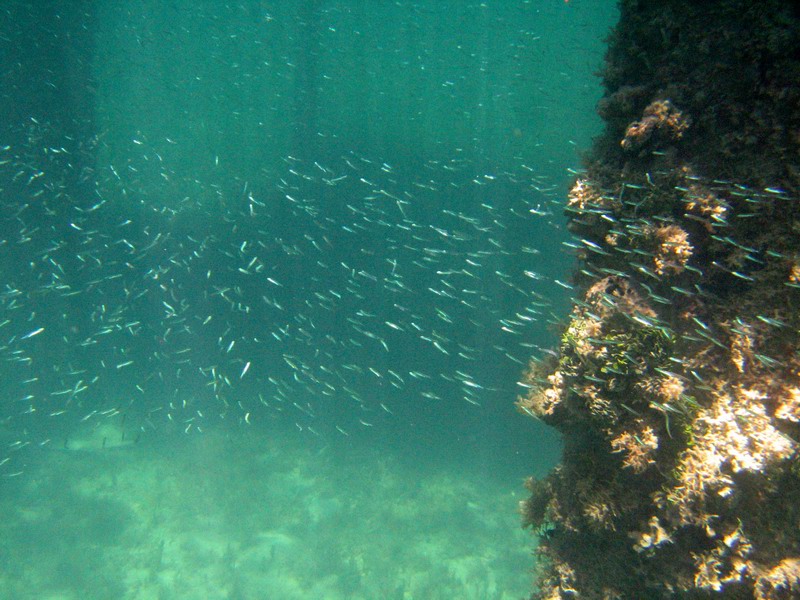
{"x": 677, "y": 382}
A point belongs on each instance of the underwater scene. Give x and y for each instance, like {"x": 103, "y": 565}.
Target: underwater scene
{"x": 272, "y": 274}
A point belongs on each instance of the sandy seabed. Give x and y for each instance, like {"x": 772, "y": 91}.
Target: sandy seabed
{"x": 224, "y": 516}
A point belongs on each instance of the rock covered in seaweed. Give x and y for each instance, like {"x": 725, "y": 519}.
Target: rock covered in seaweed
{"x": 677, "y": 380}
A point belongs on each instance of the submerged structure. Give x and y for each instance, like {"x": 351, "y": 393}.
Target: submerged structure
{"x": 677, "y": 382}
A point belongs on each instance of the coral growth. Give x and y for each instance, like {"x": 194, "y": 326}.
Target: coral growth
{"x": 677, "y": 381}
{"x": 672, "y": 249}
{"x": 782, "y": 581}
{"x": 661, "y": 121}
{"x": 638, "y": 446}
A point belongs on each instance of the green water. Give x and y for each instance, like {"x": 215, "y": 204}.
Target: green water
{"x": 271, "y": 273}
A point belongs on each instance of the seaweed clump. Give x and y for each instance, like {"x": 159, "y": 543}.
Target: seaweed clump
{"x": 677, "y": 381}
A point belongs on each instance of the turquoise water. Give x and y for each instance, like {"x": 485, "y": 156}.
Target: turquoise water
{"x": 271, "y": 272}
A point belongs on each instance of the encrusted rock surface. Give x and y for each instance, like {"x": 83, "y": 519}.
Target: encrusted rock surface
{"x": 677, "y": 381}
